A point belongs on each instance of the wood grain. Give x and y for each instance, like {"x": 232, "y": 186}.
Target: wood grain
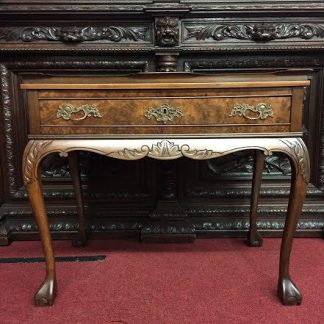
{"x": 206, "y": 104}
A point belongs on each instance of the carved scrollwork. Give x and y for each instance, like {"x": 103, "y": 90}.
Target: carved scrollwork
{"x": 76, "y": 34}
{"x": 199, "y": 149}
{"x": 256, "y": 32}
{"x": 162, "y": 149}
{"x": 203, "y": 154}
{"x": 167, "y": 31}
{"x": 128, "y": 154}
{"x": 165, "y": 150}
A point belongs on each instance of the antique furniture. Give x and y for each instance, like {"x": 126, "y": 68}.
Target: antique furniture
{"x": 167, "y": 116}
{"x": 100, "y": 37}
{"x": 144, "y": 35}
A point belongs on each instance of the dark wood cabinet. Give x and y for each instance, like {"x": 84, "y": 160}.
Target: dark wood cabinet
{"x": 88, "y": 39}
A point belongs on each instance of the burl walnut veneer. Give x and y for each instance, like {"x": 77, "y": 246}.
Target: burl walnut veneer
{"x": 167, "y": 116}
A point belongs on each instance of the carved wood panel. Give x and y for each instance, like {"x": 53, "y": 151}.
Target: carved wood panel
{"x": 236, "y": 34}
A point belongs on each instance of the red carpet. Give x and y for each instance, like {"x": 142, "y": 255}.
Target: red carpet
{"x": 209, "y": 281}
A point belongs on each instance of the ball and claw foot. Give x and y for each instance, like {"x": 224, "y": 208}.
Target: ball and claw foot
{"x": 46, "y": 293}
{"x": 288, "y": 292}
{"x": 254, "y": 239}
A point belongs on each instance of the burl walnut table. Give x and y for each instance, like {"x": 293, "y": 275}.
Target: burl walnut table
{"x": 167, "y": 116}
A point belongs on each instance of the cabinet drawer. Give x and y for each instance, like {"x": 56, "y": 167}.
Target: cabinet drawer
{"x": 160, "y": 108}
{"x": 168, "y": 114}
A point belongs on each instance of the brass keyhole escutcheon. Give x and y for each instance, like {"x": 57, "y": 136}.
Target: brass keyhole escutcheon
{"x": 165, "y": 113}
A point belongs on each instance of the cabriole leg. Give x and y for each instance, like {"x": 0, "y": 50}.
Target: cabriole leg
{"x": 287, "y": 290}
{"x": 34, "y": 152}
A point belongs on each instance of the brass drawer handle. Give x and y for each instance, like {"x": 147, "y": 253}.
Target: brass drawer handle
{"x": 165, "y": 113}
{"x": 66, "y": 112}
{"x": 247, "y": 111}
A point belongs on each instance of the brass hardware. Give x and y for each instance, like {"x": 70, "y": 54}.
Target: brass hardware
{"x": 165, "y": 113}
{"x": 65, "y": 111}
{"x": 263, "y": 111}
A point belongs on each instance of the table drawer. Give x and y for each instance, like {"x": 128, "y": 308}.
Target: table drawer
{"x": 169, "y": 115}
{"x": 138, "y": 108}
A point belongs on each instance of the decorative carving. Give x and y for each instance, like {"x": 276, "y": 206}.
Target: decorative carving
{"x": 170, "y": 227}
{"x": 66, "y": 112}
{"x": 165, "y": 113}
{"x": 164, "y": 150}
{"x": 33, "y": 152}
{"x": 75, "y": 34}
{"x": 129, "y": 154}
{"x": 204, "y": 191}
{"x": 262, "y": 110}
{"x": 263, "y": 32}
{"x": 168, "y": 150}
{"x": 253, "y": 62}
{"x": 278, "y": 163}
{"x": 107, "y": 65}
{"x": 240, "y": 163}
{"x": 241, "y": 223}
{"x": 81, "y": 64}
{"x": 301, "y": 158}
{"x": 257, "y": 32}
{"x": 203, "y": 154}
{"x": 167, "y": 31}
{"x": 8, "y": 127}
{"x": 232, "y": 165}
{"x": 55, "y": 167}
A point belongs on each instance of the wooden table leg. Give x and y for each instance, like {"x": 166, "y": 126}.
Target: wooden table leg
{"x": 209, "y": 148}
{"x": 81, "y": 236}
{"x": 32, "y": 179}
{"x": 254, "y": 237}
{"x": 287, "y": 290}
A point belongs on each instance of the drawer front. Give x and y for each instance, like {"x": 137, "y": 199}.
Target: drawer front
{"x": 167, "y": 112}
